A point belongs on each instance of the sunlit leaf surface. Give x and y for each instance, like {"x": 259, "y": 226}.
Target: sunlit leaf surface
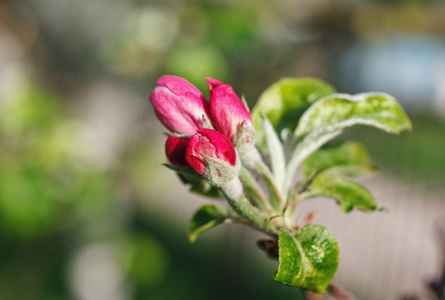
{"x": 308, "y": 259}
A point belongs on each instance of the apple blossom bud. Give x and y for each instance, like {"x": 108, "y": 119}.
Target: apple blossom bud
{"x": 175, "y": 150}
{"x": 180, "y": 106}
{"x": 229, "y": 114}
{"x": 212, "y": 155}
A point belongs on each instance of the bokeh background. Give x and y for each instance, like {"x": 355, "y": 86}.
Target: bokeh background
{"x": 88, "y": 212}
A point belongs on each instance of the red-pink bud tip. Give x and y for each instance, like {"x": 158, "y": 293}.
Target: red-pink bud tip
{"x": 208, "y": 143}
{"x": 175, "y": 150}
{"x": 227, "y": 110}
{"x": 213, "y": 83}
{"x": 179, "y": 105}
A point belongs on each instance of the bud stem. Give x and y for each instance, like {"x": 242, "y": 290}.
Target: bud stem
{"x": 275, "y": 196}
{"x": 233, "y": 190}
{"x": 254, "y": 190}
{"x": 251, "y": 158}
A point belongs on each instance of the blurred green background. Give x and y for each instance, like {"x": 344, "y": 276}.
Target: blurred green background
{"x": 87, "y": 211}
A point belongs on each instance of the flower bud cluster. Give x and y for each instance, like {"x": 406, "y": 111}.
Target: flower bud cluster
{"x": 204, "y": 134}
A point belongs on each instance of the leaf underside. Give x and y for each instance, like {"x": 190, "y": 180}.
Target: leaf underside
{"x": 276, "y": 154}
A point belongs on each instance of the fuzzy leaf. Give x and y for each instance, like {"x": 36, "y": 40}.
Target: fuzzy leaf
{"x": 340, "y": 111}
{"x": 348, "y": 194}
{"x": 207, "y": 217}
{"x": 308, "y": 259}
{"x": 284, "y": 102}
{"x": 327, "y": 118}
{"x": 350, "y": 159}
{"x": 276, "y": 154}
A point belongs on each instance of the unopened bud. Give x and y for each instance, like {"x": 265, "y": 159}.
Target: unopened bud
{"x": 229, "y": 114}
{"x": 180, "y": 106}
{"x": 175, "y": 150}
{"x": 212, "y": 155}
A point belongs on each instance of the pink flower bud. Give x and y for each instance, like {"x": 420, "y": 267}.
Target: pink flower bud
{"x": 175, "y": 150}
{"x": 179, "y": 105}
{"x": 209, "y": 147}
{"x": 228, "y": 112}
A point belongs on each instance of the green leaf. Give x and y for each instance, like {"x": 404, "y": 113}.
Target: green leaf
{"x": 348, "y": 194}
{"x": 284, "y": 102}
{"x": 327, "y": 118}
{"x": 350, "y": 159}
{"x": 207, "y": 217}
{"x": 308, "y": 259}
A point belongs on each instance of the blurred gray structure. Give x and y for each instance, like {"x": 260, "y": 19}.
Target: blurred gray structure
{"x": 411, "y": 68}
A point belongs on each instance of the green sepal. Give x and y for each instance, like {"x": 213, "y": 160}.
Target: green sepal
{"x": 284, "y": 102}
{"x": 198, "y": 184}
{"x": 308, "y": 258}
{"x": 207, "y": 217}
{"x": 204, "y": 188}
{"x": 349, "y": 159}
{"x": 187, "y": 174}
{"x": 348, "y": 194}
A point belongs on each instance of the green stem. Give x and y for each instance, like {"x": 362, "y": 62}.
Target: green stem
{"x": 275, "y": 196}
{"x": 287, "y": 215}
{"x": 251, "y": 158}
{"x": 237, "y": 220}
{"x": 301, "y": 193}
{"x": 302, "y": 188}
{"x": 303, "y": 149}
{"x": 233, "y": 191}
{"x": 254, "y": 190}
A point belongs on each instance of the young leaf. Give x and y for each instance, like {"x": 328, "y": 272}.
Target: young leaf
{"x": 340, "y": 111}
{"x": 308, "y": 259}
{"x": 348, "y": 194}
{"x": 276, "y": 154}
{"x": 302, "y": 151}
{"x": 350, "y": 159}
{"x": 284, "y": 102}
{"x": 207, "y": 217}
{"x": 327, "y": 118}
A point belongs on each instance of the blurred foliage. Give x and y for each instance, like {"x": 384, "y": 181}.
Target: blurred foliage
{"x": 54, "y": 204}
{"x": 416, "y": 156}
